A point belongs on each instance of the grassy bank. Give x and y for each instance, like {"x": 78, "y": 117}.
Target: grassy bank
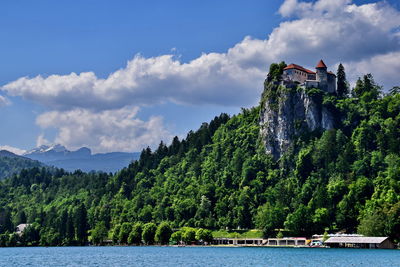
{"x": 238, "y": 234}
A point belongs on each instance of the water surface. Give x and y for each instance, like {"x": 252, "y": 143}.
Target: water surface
{"x": 195, "y": 256}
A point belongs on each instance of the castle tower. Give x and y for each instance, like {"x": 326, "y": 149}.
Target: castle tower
{"x": 322, "y": 75}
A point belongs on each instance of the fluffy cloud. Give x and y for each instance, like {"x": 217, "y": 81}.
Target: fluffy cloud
{"x": 41, "y": 140}
{"x": 105, "y": 131}
{"x": 388, "y": 63}
{"x": 366, "y": 38}
{"x": 306, "y": 9}
{"x": 210, "y": 79}
{"x": 14, "y": 150}
{"x": 337, "y": 31}
{"x": 4, "y": 101}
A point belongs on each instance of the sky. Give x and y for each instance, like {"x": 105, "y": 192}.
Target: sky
{"x": 123, "y": 75}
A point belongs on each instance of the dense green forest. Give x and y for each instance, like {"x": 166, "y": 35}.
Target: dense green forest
{"x": 346, "y": 179}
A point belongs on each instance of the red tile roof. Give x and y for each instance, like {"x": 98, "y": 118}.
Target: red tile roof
{"x": 298, "y": 67}
{"x": 321, "y": 64}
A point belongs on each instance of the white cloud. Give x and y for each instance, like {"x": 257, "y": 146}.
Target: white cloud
{"x": 210, "y": 79}
{"x": 41, "y": 140}
{"x": 4, "y": 101}
{"x": 319, "y": 8}
{"x": 14, "y": 150}
{"x": 364, "y": 37}
{"x": 293, "y": 7}
{"x": 389, "y": 65}
{"x": 105, "y": 131}
{"x": 345, "y": 32}
{"x": 336, "y": 31}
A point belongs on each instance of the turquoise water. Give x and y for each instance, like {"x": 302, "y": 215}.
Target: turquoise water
{"x": 195, "y": 256}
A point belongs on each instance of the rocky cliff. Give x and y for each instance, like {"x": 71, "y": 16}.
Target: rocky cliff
{"x": 288, "y": 111}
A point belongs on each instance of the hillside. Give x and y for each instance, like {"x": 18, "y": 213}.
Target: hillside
{"x": 345, "y": 179}
{"x": 11, "y": 163}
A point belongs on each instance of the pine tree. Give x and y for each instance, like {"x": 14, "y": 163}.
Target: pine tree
{"x": 70, "y": 230}
{"x": 80, "y": 219}
{"x": 62, "y": 223}
{"x": 342, "y": 85}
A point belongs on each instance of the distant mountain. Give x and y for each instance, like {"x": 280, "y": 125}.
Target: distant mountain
{"x": 83, "y": 159}
{"x": 11, "y": 163}
{"x": 43, "y": 148}
{"x": 6, "y": 153}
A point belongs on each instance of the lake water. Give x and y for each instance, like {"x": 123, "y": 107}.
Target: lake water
{"x": 195, "y": 256}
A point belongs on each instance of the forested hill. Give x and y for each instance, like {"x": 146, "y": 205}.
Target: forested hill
{"x": 343, "y": 179}
{"x": 12, "y": 164}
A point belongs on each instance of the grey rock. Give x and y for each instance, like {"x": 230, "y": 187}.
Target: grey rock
{"x": 286, "y": 117}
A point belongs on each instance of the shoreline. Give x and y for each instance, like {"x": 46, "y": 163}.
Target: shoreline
{"x": 199, "y": 246}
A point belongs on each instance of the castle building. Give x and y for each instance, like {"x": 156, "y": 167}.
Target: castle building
{"x": 321, "y": 78}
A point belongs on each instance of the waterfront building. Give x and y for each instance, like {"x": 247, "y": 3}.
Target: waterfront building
{"x": 359, "y": 242}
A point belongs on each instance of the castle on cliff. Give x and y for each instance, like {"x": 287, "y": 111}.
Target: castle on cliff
{"x": 321, "y": 78}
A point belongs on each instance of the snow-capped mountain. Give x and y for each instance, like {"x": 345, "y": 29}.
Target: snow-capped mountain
{"x": 83, "y": 159}
{"x": 45, "y": 148}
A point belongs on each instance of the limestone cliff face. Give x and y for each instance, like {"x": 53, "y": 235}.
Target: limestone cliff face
{"x": 287, "y": 112}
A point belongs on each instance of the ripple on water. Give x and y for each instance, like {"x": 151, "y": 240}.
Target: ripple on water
{"x": 195, "y": 256}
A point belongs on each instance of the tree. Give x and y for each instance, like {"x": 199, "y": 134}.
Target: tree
{"x": 70, "y": 229}
{"x": 203, "y": 211}
{"x": 372, "y": 224}
{"x": 394, "y": 90}
{"x": 124, "y": 232}
{"x": 342, "y": 84}
{"x": 243, "y": 209}
{"x": 31, "y": 234}
{"x": 279, "y": 234}
{"x": 148, "y": 234}
{"x": 81, "y": 226}
{"x": 299, "y": 222}
{"x": 204, "y": 235}
{"x": 5, "y": 220}
{"x": 189, "y": 235}
{"x": 115, "y": 233}
{"x": 366, "y": 89}
{"x": 176, "y": 237}
{"x": 62, "y": 223}
{"x": 325, "y": 236}
{"x": 98, "y": 233}
{"x": 320, "y": 219}
{"x": 393, "y": 221}
{"x": 49, "y": 237}
{"x": 13, "y": 240}
{"x": 163, "y": 233}
{"x": 270, "y": 218}
{"x": 358, "y": 89}
{"x": 275, "y": 71}
{"x": 135, "y": 236}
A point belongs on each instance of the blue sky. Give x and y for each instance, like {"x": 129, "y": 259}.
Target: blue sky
{"x": 149, "y": 70}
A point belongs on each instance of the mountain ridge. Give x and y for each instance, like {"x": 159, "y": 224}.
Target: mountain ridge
{"x": 59, "y": 156}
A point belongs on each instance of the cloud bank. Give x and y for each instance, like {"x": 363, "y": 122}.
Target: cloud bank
{"x": 366, "y": 38}
{"x": 104, "y": 131}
